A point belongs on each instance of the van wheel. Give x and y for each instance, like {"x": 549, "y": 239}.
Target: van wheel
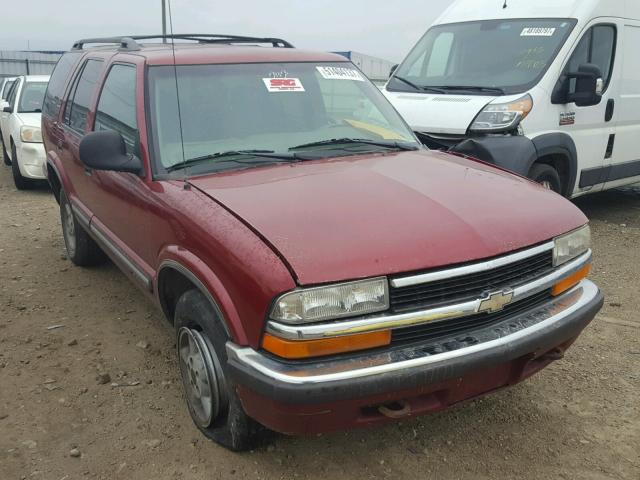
{"x": 213, "y": 403}
{"x": 547, "y": 176}
{"x": 5, "y": 155}
{"x": 20, "y": 182}
{"x": 82, "y": 250}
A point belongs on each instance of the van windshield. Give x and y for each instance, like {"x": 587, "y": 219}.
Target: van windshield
{"x": 485, "y": 57}
{"x": 235, "y": 116}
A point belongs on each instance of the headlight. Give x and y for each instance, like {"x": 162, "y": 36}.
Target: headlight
{"x": 332, "y": 302}
{"x": 502, "y": 117}
{"x": 31, "y": 134}
{"x": 571, "y": 245}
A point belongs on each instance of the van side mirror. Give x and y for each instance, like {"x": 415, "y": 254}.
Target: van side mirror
{"x": 393, "y": 70}
{"x": 588, "y": 90}
{"x": 106, "y": 150}
{"x": 8, "y": 109}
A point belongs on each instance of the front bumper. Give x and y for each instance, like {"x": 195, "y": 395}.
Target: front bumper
{"x": 274, "y": 391}
{"x": 32, "y": 161}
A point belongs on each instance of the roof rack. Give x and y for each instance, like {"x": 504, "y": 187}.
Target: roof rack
{"x": 129, "y": 43}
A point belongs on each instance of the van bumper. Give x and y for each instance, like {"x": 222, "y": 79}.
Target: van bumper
{"x": 301, "y": 398}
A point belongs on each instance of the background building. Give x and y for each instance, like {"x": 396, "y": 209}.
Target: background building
{"x": 27, "y": 63}
{"x": 377, "y": 69}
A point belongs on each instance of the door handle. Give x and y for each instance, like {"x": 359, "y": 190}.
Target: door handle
{"x": 611, "y": 107}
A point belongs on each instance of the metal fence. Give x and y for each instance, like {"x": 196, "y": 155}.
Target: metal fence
{"x": 27, "y": 63}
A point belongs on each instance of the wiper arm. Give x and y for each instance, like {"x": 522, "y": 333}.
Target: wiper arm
{"x": 285, "y": 157}
{"x": 471, "y": 88}
{"x": 394, "y": 145}
{"x": 423, "y": 88}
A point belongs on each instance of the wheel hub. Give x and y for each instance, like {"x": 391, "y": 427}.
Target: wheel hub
{"x": 69, "y": 229}
{"x": 198, "y": 376}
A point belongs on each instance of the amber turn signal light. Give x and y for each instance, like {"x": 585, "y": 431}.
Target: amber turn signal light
{"x": 327, "y": 346}
{"x": 571, "y": 281}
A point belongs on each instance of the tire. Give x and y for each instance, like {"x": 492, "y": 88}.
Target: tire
{"x": 82, "y": 250}
{"x": 202, "y": 357}
{"x": 5, "y": 155}
{"x": 547, "y": 176}
{"x": 20, "y": 182}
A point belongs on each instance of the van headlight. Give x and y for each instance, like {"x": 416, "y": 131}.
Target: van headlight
{"x": 332, "y": 302}
{"x": 31, "y": 135}
{"x": 571, "y": 245}
{"x": 502, "y": 117}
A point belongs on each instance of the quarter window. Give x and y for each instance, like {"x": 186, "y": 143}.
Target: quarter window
{"x": 77, "y": 110}
{"x": 117, "y": 105}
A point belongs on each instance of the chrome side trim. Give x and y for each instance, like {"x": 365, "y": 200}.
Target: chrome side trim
{"x": 380, "y": 363}
{"x": 137, "y": 272}
{"x": 385, "y": 322}
{"x": 470, "y": 269}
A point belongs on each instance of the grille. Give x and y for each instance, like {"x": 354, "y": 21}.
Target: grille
{"x": 469, "y": 287}
{"x": 460, "y": 330}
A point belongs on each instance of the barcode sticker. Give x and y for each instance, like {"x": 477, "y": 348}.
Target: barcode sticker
{"x": 538, "y": 32}
{"x": 340, "y": 73}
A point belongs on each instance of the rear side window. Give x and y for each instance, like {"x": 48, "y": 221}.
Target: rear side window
{"x": 7, "y": 87}
{"x": 77, "y": 109}
{"x": 58, "y": 82}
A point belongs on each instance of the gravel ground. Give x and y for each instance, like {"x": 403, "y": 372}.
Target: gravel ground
{"x": 62, "y": 327}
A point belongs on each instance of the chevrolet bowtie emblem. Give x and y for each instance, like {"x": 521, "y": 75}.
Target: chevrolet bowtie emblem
{"x": 495, "y": 301}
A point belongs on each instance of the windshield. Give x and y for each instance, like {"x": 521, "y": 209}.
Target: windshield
{"x": 491, "y": 56}
{"x": 267, "y": 111}
{"x": 32, "y": 97}
{"x": 5, "y": 91}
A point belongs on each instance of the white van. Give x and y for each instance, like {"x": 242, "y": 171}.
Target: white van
{"x": 549, "y": 89}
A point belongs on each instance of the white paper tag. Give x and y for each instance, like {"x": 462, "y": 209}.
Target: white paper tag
{"x": 538, "y": 32}
{"x": 340, "y": 73}
{"x": 283, "y": 84}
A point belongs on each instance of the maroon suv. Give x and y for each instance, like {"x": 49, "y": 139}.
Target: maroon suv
{"x": 322, "y": 270}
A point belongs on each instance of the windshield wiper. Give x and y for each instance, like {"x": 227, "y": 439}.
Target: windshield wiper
{"x": 227, "y": 156}
{"x": 393, "y": 145}
{"x": 470, "y": 88}
{"x": 423, "y": 88}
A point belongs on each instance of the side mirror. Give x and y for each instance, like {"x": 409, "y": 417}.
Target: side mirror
{"x": 393, "y": 70}
{"x": 589, "y": 87}
{"x": 106, "y": 150}
{"x": 8, "y": 109}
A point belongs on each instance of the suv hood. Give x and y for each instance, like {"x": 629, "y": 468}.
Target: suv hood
{"x": 376, "y": 215}
{"x": 446, "y": 114}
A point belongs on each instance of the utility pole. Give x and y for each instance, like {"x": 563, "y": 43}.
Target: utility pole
{"x": 164, "y": 21}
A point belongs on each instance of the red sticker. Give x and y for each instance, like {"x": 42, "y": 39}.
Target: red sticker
{"x": 283, "y": 84}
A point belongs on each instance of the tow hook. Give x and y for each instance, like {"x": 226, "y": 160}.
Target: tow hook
{"x": 555, "y": 354}
{"x": 395, "y": 410}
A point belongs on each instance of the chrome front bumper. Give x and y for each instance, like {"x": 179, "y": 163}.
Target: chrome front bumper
{"x": 531, "y": 333}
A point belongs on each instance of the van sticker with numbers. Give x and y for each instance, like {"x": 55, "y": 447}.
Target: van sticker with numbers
{"x": 538, "y": 32}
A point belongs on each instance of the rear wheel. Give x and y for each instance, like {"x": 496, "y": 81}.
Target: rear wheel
{"x": 82, "y": 250}
{"x": 20, "y": 182}
{"x": 547, "y": 176}
{"x": 211, "y": 397}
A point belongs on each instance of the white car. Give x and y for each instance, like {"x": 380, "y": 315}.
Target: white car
{"x": 548, "y": 89}
{"x": 20, "y": 128}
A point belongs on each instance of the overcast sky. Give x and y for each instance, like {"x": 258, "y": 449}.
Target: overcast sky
{"x": 382, "y": 28}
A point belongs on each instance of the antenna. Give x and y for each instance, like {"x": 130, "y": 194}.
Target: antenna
{"x": 175, "y": 74}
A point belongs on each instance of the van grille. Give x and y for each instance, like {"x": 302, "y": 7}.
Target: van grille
{"x": 469, "y": 287}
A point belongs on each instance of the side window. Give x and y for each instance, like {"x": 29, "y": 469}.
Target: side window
{"x": 7, "y": 88}
{"x": 13, "y": 93}
{"x": 117, "y": 105}
{"x": 597, "y": 46}
{"x": 58, "y": 82}
{"x": 77, "y": 109}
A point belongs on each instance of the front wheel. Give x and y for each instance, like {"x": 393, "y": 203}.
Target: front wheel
{"x": 213, "y": 403}
{"x": 19, "y": 181}
{"x": 5, "y": 155}
{"x": 547, "y": 176}
{"x": 82, "y": 250}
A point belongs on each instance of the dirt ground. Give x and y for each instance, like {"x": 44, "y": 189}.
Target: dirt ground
{"x": 579, "y": 419}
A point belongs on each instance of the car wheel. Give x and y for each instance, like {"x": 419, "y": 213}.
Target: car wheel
{"x": 82, "y": 250}
{"x": 547, "y": 176}
{"x": 5, "y": 155}
{"x": 20, "y": 182}
{"x": 213, "y": 403}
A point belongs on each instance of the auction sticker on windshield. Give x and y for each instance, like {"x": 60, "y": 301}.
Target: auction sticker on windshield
{"x": 283, "y": 85}
{"x": 538, "y": 32}
{"x": 340, "y": 73}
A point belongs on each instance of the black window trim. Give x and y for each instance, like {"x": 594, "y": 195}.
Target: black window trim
{"x": 72, "y": 93}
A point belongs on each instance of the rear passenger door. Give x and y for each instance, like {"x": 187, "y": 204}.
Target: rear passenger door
{"x": 74, "y": 125}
